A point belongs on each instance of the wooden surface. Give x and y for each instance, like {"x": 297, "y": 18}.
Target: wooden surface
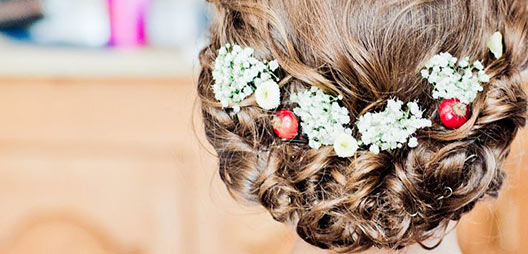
{"x": 114, "y": 166}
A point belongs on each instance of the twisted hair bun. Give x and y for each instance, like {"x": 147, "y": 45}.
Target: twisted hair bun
{"x": 368, "y": 51}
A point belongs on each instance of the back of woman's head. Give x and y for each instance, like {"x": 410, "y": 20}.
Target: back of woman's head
{"x": 368, "y": 52}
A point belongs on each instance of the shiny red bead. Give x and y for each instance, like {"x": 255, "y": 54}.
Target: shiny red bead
{"x": 453, "y": 113}
{"x": 285, "y": 124}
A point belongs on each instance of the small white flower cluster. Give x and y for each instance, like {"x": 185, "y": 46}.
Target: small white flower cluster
{"x": 393, "y": 127}
{"x": 322, "y": 119}
{"x": 237, "y": 74}
{"x": 325, "y": 122}
{"x": 455, "y": 80}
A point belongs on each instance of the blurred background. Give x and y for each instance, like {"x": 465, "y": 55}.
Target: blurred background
{"x": 101, "y": 147}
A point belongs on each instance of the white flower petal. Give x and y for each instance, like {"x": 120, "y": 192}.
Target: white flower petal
{"x": 413, "y": 142}
{"x": 478, "y": 65}
{"x": 495, "y": 45}
{"x": 374, "y": 149}
{"x": 236, "y": 108}
{"x": 268, "y": 95}
{"x": 273, "y": 65}
{"x": 464, "y": 62}
{"x": 415, "y": 109}
{"x": 345, "y": 145}
{"x": 425, "y": 73}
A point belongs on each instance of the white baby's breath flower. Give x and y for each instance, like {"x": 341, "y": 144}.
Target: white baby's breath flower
{"x": 392, "y": 128}
{"x": 345, "y": 145}
{"x": 483, "y": 77}
{"x": 322, "y": 118}
{"x": 237, "y": 74}
{"x": 374, "y": 149}
{"x": 478, "y": 65}
{"x": 451, "y": 80}
{"x": 273, "y": 65}
{"x": 413, "y": 142}
{"x": 464, "y": 62}
{"x": 268, "y": 95}
{"x": 425, "y": 73}
{"x": 495, "y": 45}
{"x": 415, "y": 109}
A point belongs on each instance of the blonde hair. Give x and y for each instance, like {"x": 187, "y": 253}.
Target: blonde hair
{"x": 368, "y": 51}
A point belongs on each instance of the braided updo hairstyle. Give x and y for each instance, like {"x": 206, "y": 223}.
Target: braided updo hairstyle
{"x": 368, "y": 51}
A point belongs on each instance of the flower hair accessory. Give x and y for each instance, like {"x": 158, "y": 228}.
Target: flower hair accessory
{"x": 237, "y": 74}
{"x": 457, "y": 83}
{"x": 392, "y": 128}
{"x": 325, "y": 122}
{"x": 322, "y": 118}
{"x": 452, "y": 80}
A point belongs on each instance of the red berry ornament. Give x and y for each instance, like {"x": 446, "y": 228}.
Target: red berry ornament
{"x": 285, "y": 124}
{"x": 453, "y": 113}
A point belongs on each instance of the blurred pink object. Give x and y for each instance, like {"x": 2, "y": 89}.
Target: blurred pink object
{"x": 127, "y": 18}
